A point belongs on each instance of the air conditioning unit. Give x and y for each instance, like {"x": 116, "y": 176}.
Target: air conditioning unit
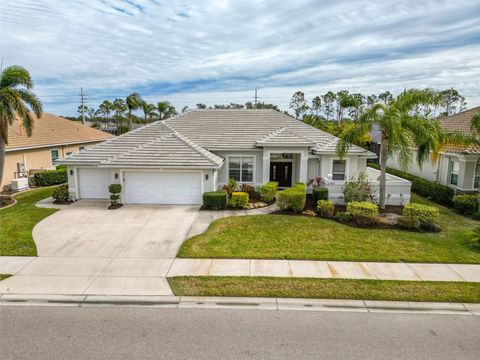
{"x": 19, "y": 184}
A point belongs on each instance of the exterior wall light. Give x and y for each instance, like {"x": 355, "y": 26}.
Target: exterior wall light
{"x": 71, "y": 172}
{"x": 116, "y": 176}
{"x": 206, "y": 176}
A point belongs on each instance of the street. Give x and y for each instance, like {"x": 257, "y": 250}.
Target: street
{"x": 101, "y": 332}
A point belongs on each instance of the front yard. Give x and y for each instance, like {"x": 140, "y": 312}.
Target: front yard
{"x": 18, "y": 221}
{"x": 298, "y": 237}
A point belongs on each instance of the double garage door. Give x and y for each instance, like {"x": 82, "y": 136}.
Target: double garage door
{"x": 145, "y": 187}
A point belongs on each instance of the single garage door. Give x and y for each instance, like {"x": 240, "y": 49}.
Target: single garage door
{"x": 93, "y": 183}
{"x": 163, "y": 187}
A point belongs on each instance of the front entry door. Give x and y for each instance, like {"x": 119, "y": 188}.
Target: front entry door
{"x": 282, "y": 173}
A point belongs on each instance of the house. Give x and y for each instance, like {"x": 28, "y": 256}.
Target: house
{"x": 456, "y": 167}
{"x": 176, "y": 160}
{"x": 53, "y": 137}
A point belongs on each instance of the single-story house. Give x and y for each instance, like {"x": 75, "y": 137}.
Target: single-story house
{"x": 457, "y": 167}
{"x": 174, "y": 161}
{"x": 53, "y": 137}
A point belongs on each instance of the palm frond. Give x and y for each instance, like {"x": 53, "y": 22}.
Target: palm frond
{"x": 14, "y": 76}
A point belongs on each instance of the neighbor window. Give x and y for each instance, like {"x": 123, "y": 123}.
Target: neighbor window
{"x": 454, "y": 167}
{"x": 240, "y": 168}
{"x": 339, "y": 169}
{"x": 476, "y": 183}
{"x": 69, "y": 153}
{"x": 54, "y": 155}
{"x": 80, "y": 148}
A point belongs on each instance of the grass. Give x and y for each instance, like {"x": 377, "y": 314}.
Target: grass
{"x": 434, "y": 291}
{"x": 299, "y": 237}
{"x": 4, "y": 276}
{"x": 17, "y": 222}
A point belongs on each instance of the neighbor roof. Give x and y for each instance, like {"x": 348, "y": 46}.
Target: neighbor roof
{"x": 461, "y": 122}
{"x": 52, "y": 130}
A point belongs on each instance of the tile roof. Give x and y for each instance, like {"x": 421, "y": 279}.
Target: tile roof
{"x": 52, "y": 130}
{"x": 460, "y": 122}
{"x": 284, "y": 137}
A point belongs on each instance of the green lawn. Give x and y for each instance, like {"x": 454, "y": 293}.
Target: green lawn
{"x": 299, "y": 237}
{"x": 17, "y": 222}
{"x": 326, "y": 288}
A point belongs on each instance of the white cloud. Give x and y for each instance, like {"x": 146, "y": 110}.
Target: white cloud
{"x": 218, "y": 51}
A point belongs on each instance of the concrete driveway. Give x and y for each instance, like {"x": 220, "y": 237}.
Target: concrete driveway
{"x": 87, "y": 249}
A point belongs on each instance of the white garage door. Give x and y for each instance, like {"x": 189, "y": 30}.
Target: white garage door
{"x": 93, "y": 183}
{"x": 163, "y": 187}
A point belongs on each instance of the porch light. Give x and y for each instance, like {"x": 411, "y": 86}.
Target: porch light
{"x": 206, "y": 176}
{"x": 71, "y": 172}
{"x": 116, "y": 176}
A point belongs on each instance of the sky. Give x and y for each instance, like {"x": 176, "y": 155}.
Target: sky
{"x": 219, "y": 51}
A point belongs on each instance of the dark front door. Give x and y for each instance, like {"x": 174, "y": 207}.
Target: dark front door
{"x": 281, "y": 172}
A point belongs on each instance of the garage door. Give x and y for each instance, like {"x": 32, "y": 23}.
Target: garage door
{"x": 93, "y": 183}
{"x": 163, "y": 187}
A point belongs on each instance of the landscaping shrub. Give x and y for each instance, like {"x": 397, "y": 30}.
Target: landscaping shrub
{"x": 358, "y": 189}
{"x": 292, "y": 199}
{"x": 425, "y": 214}
{"x": 114, "y": 190}
{"x": 51, "y": 177}
{"x": 301, "y": 186}
{"x": 249, "y": 189}
{"x": 268, "y": 191}
{"x": 60, "y": 194}
{"x": 325, "y": 208}
{"x": 344, "y": 216}
{"x": 319, "y": 193}
{"x": 408, "y": 222}
{"x": 231, "y": 186}
{"x": 239, "y": 200}
{"x": 215, "y": 200}
{"x": 438, "y": 193}
{"x": 476, "y": 215}
{"x": 363, "y": 212}
{"x": 466, "y": 204}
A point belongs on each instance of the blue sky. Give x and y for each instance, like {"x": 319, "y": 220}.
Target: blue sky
{"x": 218, "y": 51}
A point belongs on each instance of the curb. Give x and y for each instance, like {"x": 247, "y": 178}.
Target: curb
{"x": 244, "y": 303}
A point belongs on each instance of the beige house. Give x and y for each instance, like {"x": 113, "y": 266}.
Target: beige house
{"x": 53, "y": 137}
{"x": 456, "y": 167}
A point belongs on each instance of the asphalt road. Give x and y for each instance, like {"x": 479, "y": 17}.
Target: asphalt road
{"x": 29, "y": 332}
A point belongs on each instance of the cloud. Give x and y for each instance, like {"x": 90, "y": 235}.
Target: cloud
{"x": 219, "y": 51}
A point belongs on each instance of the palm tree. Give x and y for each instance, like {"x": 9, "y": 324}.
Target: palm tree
{"x": 149, "y": 111}
{"x": 402, "y": 130}
{"x": 165, "y": 110}
{"x": 134, "y": 102}
{"x": 106, "y": 108}
{"x": 16, "y": 101}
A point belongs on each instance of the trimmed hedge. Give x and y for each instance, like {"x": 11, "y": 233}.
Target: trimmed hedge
{"x": 438, "y": 193}
{"x": 466, "y": 204}
{"x": 426, "y": 215}
{"x": 115, "y": 190}
{"x": 239, "y": 200}
{"x": 51, "y": 177}
{"x": 363, "y": 212}
{"x": 325, "y": 208}
{"x": 215, "y": 200}
{"x": 61, "y": 194}
{"x": 293, "y": 198}
{"x": 267, "y": 191}
{"x": 319, "y": 193}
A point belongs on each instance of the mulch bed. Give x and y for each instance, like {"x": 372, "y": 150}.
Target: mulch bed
{"x": 57, "y": 202}
{"x": 114, "y": 207}
{"x": 6, "y": 200}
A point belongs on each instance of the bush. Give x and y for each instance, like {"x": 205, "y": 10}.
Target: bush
{"x": 319, "y": 193}
{"x": 215, "y": 200}
{"x": 239, "y": 200}
{"x": 249, "y": 189}
{"x": 358, "y": 189}
{"x": 325, "y": 208}
{"x": 466, "y": 204}
{"x": 344, "y": 216}
{"x": 301, "y": 186}
{"x": 363, "y": 212}
{"x": 438, "y": 193}
{"x": 292, "y": 199}
{"x": 60, "y": 194}
{"x": 476, "y": 215}
{"x": 426, "y": 215}
{"x": 408, "y": 222}
{"x": 114, "y": 190}
{"x": 268, "y": 191}
{"x": 231, "y": 186}
{"x": 51, "y": 177}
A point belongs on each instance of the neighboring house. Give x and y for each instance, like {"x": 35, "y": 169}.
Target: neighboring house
{"x": 53, "y": 137}
{"x": 456, "y": 167}
{"x": 176, "y": 160}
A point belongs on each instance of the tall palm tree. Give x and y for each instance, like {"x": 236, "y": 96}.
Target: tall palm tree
{"x": 120, "y": 107}
{"x": 402, "y": 130}
{"x": 149, "y": 111}
{"x": 165, "y": 110}
{"x": 16, "y": 101}
{"x": 134, "y": 102}
{"x": 106, "y": 107}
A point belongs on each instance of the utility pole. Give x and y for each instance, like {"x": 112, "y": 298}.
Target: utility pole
{"x": 82, "y": 102}
{"x": 1, "y": 65}
{"x": 255, "y": 99}
{"x": 449, "y": 102}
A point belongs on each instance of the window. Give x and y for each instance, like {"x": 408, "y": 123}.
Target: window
{"x": 454, "y": 167}
{"x": 281, "y": 156}
{"x": 240, "y": 168}
{"x": 54, "y": 155}
{"x": 476, "y": 183}
{"x": 69, "y": 153}
{"x": 339, "y": 169}
{"x": 80, "y": 148}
